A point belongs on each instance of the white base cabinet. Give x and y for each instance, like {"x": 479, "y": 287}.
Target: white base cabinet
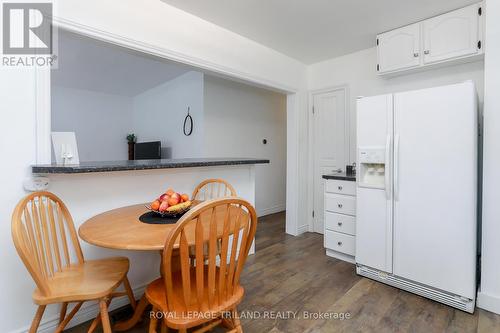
{"x": 340, "y": 219}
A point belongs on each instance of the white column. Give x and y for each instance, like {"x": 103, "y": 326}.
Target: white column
{"x": 292, "y": 165}
{"x": 489, "y": 295}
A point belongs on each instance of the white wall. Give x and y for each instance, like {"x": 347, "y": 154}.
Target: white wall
{"x": 17, "y": 126}
{"x": 100, "y": 121}
{"x": 237, "y": 118}
{"x": 489, "y": 295}
{"x": 357, "y": 71}
{"x": 158, "y": 114}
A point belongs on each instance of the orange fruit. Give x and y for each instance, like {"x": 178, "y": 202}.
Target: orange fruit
{"x": 155, "y": 205}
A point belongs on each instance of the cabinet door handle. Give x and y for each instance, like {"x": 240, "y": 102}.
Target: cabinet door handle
{"x": 427, "y": 52}
{"x": 340, "y": 188}
{"x": 339, "y": 243}
{"x": 340, "y": 224}
{"x": 339, "y": 205}
{"x": 415, "y": 55}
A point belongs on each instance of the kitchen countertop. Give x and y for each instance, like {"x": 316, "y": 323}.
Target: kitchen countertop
{"x": 110, "y": 166}
{"x": 340, "y": 176}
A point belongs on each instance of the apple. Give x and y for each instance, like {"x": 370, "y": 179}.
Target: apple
{"x": 173, "y": 201}
{"x": 176, "y": 196}
{"x": 164, "y": 197}
{"x": 184, "y": 197}
{"x": 155, "y": 205}
{"x": 169, "y": 192}
{"x": 163, "y": 206}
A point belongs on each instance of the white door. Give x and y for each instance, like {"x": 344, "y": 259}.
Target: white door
{"x": 452, "y": 35}
{"x": 374, "y": 205}
{"x": 435, "y": 179}
{"x": 329, "y": 146}
{"x": 399, "y": 49}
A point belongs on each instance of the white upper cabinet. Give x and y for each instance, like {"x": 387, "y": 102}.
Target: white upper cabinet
{"x": 451, "y": 35}
{"x": 399, "y": 48}
{"x": 444, "y": 39}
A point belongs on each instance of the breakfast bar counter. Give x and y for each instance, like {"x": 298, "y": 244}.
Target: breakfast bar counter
{"x": 110, "y": 166}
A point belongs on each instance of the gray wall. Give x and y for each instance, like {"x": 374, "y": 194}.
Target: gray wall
{"x": 100, "y": 121}
{"x": 237, "y": 118}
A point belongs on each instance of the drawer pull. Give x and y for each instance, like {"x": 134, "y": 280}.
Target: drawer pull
{"x": 340, "y": 188}
{"x": 339, "y": 205}
{"x": 339, "y": 243}
{"x": 340, "y": 224}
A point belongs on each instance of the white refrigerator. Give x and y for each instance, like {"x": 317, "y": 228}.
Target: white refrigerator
{"x": 417, "y": 192}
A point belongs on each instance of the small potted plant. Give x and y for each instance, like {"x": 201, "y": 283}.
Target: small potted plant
{"x": 131, "y": 139}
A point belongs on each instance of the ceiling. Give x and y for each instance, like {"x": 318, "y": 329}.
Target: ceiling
{"x": 315, "y": 30}
{"x": 92, "y": 65}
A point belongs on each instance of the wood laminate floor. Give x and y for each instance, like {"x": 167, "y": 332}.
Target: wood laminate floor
{"x": 292, "y": 276}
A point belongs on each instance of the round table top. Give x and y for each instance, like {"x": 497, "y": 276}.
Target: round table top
{"x": 121, "y": 229}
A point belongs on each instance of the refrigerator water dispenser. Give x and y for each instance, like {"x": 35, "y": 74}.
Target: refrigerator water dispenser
{"x": 372, "y": 167}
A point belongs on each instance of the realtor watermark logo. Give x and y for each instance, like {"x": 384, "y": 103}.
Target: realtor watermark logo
{"x": 27, "y": 34}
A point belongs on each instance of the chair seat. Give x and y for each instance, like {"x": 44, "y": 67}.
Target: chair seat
{"x": 181, "y": 317}
{"x": 93, "y": 279}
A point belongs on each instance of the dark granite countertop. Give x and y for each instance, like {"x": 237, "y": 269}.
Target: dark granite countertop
{"x": 340, "y": 176}
{"x": 109, "y": 166}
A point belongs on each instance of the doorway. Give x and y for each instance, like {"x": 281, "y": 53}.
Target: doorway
{"x": 329, "y": 144}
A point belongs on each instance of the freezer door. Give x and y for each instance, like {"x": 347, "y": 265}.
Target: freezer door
{"x": 374, "y": 205}
{"x": 435, "y": 184}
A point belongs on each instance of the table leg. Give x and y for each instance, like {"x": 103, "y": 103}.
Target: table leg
{"x": 143, "y": 303}
{"x": 129, "y": 323}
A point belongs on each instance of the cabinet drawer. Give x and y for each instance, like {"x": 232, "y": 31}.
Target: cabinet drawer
{"x": 340, "y": 204}
{"x": 340, "y": 242}
{"x": 340, "y": 187}
{"x": 341, "y": 223}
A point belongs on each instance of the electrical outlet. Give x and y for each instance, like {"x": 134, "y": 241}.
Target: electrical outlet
{"x": 34, "y": 184}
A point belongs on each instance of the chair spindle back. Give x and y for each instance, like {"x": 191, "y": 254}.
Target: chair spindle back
{"x": 213, "y": 188}
{"x": 44, "y": 236}
{"x": 230, "y": 220}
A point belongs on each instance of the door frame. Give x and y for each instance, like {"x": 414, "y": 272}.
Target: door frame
{"x": 310, "y": 146}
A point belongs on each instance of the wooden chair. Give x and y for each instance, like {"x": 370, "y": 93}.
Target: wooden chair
{"x": 207, "y": 190}
{"x": 204, "y": 294}
{"x": 45, "y": 238}
{"x": 212, "y": 189}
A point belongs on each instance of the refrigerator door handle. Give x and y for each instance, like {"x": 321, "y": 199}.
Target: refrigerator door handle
{"x": 396, "y": 167}
{"x": 387, "y": 164}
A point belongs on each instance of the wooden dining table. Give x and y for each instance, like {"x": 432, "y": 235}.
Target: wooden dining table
{"x": 121, "y": 229}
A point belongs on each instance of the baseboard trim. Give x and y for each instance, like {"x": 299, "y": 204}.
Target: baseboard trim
{"x": 302, "y": 229}
{"x": 271, "y": 210}
{"x": 488, "y": 302}
{"x": 87, "y": 312}
{"x": 340, "y": 256}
